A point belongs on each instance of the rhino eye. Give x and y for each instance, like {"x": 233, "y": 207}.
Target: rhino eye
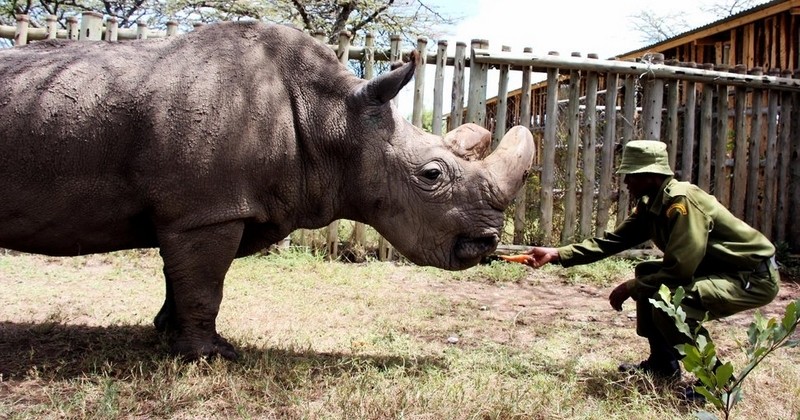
{"x": 432, "y": 173}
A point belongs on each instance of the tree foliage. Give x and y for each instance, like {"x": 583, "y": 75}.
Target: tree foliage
{"x": 408, "y": 18}
{"x": 656, "y": 27}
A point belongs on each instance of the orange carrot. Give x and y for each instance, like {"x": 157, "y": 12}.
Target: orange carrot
{"x": 521, "y": 258}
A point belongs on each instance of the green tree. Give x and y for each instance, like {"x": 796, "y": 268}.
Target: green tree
{"x": 408, "y": 18}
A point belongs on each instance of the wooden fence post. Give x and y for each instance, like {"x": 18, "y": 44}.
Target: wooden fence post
{"x": 571, "y": 159}
{"x": 91, "y": 26}
{"x": 607, "y": 155}
{"x": 419, "y": 83}
{"x": 794, "y": 172}
{"x": 112, "y": 29}
{"x": 549, "y": 154}
{"x": 457, "y": 95}
{"x": 438, "y": 88}
{"x": 476, "y": 101}
{"x": 784, "y": 160}
{"x": 721, "y": 184}
{"x": 360, "y": 229}
{"x": 141, "y": 30}
{"x": 687, "y": 151}
{"x": 771, "y": 168}
{"x": 706, "y": 131}
{"x": 72, "y": 28}
{"x": 589, "y": 154}
{"x": 653, "y": 102}
{"x": 502, "y": 103}
{"x": 521, "y": 202}
{"x": 628, "y": 133}
{"x": 172, "y": 28}
{"x": 739, "y": 182}
{"x": 754, "y": 155}
{"x": 21, "y": 33}
{"x": 52, "y": 27}
{"x": 671, "y": 133}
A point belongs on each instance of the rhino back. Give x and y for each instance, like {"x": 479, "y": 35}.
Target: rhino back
{"x": 108, "y": 142}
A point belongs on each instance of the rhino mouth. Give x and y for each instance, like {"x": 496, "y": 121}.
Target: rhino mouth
{"x": 467, "y": 248}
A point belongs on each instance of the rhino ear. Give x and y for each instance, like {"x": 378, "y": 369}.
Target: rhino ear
{"x": 383, "y": 88}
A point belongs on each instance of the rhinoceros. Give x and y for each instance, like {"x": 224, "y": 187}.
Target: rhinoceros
{"x": 215, "y": 144}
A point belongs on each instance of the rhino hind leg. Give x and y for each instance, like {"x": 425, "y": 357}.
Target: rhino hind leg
{"x": 195, "y": 264}
{"x": 165, "y": 320}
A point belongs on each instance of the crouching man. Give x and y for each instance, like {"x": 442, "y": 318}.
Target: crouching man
{"x": 724, "y": 265}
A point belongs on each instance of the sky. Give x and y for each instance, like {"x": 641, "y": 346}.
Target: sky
{"x": 603, "y": 27}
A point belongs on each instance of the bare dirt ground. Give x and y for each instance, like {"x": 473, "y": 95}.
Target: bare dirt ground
{"x": 542, "y": 298}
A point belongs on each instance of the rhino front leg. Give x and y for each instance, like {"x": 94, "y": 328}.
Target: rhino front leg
{"x": 195, "y": 264}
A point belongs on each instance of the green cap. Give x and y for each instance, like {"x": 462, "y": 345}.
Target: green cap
{"x": 645, "y": 156}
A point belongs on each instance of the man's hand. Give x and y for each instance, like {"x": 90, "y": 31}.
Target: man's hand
{"x": 541, "y": 256}
{"x": 619, "y": 295}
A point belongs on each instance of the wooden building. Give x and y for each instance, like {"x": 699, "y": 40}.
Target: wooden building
{"x": 766, "y": 37}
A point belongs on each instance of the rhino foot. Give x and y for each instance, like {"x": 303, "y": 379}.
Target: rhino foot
{"x": 165, "y": 320}
{"x": 193, "y": 349}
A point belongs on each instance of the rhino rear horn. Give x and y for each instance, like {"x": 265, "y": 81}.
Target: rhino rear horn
{"x": 469, "y": 141}
{"x": 386, "y": 86}
{"x": 510, "y": 163}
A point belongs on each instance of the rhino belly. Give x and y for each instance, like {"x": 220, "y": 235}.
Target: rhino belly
{"x": 70, "y": 221}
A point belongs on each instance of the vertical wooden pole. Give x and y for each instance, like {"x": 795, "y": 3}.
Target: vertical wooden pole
{"x": 521, "y": 202}
{"x": 457, "y": 98}
{"x": 141, "y": 30}
{"x": 687, "y": 151}
{"x": 589, "y": 154}
{"x": 21, "y": 31}
{"x": 52, "y": 27}
{"x": 438, "y": 87}
{"x": 754, "y": 156}
{"x": 771, "y": 167}
{"x": 794, "y": 172}
{"x": 628, "y": 133}
{"x": 607, "y": 155}
{"x": 652, "y": 103}
{"x": 739, "y": 182}
{"x": 502, "y": 103}
{"x": 112, "y": 29}
{"x": 549, "y": 154}
{"x": 91, "y": 26}
{"x": 419, "y": 83}
{"x": 395, "y": 55}
{"x": 72, "y": 28}
{"x": 476, "y": 100}
{"x": 571, "y": 162}
{"x": 705, "y": 142}
{"x": 672, "y": 121}
{"x": 172, "y": 28}
{"x": 784, "y": 160}
{"x": 721, "y": 183}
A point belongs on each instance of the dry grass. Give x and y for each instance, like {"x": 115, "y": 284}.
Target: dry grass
{"x": 342, "y": 341}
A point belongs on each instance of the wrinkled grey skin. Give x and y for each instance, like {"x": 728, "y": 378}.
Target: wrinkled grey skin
{"x": 216, "y": 144}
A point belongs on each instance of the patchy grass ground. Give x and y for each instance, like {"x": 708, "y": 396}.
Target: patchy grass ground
{"x": 331, "y": 340}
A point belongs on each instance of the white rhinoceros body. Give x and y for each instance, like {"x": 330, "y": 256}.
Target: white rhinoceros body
{"x": 218, "y": 143}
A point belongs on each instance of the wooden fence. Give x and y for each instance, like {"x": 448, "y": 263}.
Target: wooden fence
{"x": 734, "y": 132}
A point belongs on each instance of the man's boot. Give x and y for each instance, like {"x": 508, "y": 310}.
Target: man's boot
{"x": 662, "y": 362}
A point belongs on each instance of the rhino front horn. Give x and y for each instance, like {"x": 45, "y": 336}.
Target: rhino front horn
{"x": 510, "y": 163}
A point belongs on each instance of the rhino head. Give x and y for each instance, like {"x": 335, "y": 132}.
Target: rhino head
{"x": 439, "y": 201}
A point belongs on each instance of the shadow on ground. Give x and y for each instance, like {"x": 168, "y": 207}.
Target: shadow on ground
{"x": 58, "y": 351}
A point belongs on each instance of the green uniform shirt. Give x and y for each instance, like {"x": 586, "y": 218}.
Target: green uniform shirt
{"x": 695, "y": 232}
